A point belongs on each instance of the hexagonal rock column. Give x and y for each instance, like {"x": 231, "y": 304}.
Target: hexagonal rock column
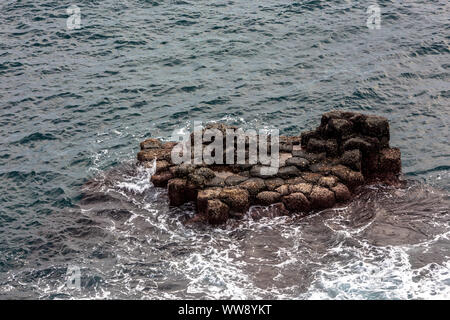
{"x": 318, "y": 169}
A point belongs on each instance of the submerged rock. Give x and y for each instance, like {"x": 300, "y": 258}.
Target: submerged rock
{"x": 318, "y": 169}
{"x": 271, "y": 211}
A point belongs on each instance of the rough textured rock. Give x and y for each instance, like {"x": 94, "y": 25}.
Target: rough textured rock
{"x": 256, "y": 171}
{"x": 347, "y": 176}
{"x": 295, "y": 180}
{"x": 216, "y": 212}
{"x": 162, "y": 165}
{"x": 237, "y": 199}
{"x": 311, "y": 177}
{"x": 294, "y": 140}
{"x": 329, "y": 181}
{"x": 273, "y": 183}
{"x": 308, "y": 135}
{"x": 234, "y": 180}
{"x": 390, "y": 161}
{"x": 317, "y": 169}
{"x": 160, "y": 179}
{"x": 183, "y": 170}
{"x": 321, "y": 168}
{"x": 300, "y": 163}
{"x": 341, "y": 192}
{"x": 197, "y": 180}
{"x": 206, "y": 173}
{"x": 352, "y": 159}
{"x": 288, "y": 172}
{"x": 322, "y": 198}
{"x": 311, "y": 157}
{"x": 200, "y": 177}
{"x": 253, "y": 185}
{"x": 151, "y": 143}
{"x": 177, "y": 191}
{"x": 286, "y": 147}
{"x": 283, "y": 190}
{"x": 316, "y": 145}
{"x": 151, "y": 154}
{"x": 364, "y": 145}
{"x": 215, "y": 182}
{"x": 297, "y": 202}
{"x": 369, "y": 164}
{"x": 169, "y": 145}
{"x": 339, "y": 127}
{"x": 304, "y": 188}
{"x": 191, "y": 191}
{"x": 268, "y": 197}
{"x": 330, "y": 147}
{"x": 375, "y": 126}
{"x": 205, "y": 195}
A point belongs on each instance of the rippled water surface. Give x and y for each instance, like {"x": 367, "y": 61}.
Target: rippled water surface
{"x": 75, "y": 104}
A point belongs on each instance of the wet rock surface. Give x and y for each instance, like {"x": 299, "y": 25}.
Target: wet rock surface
{"x": 318, "y": 169}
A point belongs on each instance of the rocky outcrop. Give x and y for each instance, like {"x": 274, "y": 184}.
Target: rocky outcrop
{"x": 318, "y": 169}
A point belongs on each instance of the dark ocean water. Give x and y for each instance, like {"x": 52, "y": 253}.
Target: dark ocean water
{"x": 74, "y": 105}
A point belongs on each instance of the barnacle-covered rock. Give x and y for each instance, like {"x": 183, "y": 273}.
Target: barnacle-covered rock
{"x": 315, "y": 170}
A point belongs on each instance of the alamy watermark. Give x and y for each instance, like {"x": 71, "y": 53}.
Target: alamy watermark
{"x": 74, "y": 19}
{"x": 374, "y": 19}
{"x": 73, "y": 277}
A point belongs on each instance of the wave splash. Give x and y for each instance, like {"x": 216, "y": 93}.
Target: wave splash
{"x": 387, "y": 244}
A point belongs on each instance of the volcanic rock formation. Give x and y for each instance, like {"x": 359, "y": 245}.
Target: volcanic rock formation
{"x": 317, "y": 170}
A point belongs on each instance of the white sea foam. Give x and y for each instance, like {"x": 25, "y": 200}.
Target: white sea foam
{"x": 380, "y": 273}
